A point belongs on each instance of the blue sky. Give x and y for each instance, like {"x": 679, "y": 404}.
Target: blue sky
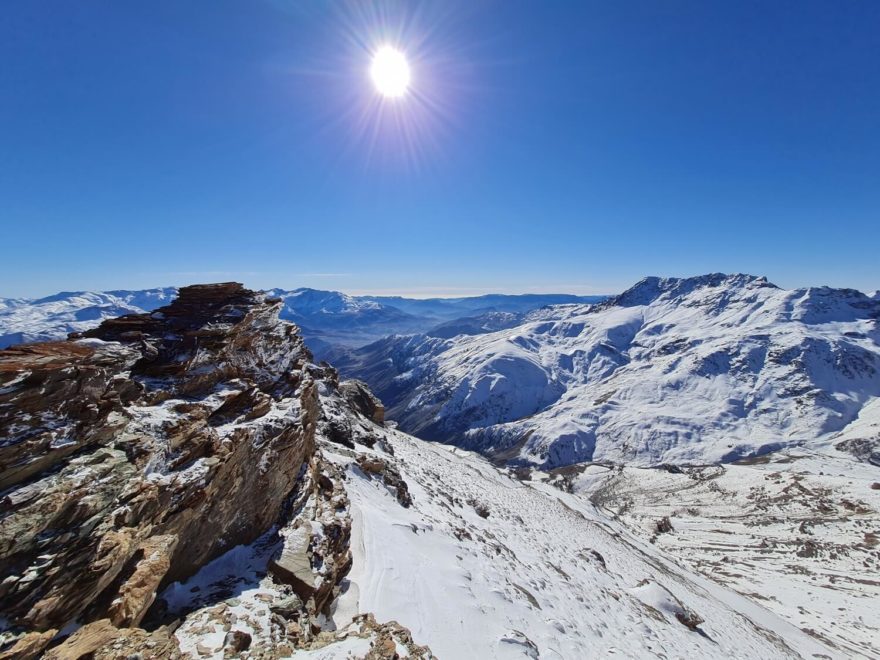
{"x": 546, "y": 146}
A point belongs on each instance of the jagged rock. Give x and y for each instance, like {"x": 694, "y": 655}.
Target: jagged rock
{"x": 387, "y": 641}
{"x": 236, "y": 641}
{"x": 134, "y": 456}
{"x": 138, "y": 592}
{"x": 864, "y": 449}
{"x": 664, "y": 526}
{"x": 389, "y": 474}
{"x": 293, "y": 564}
{"x": 250, "y": 404}
{"x": 29, "y": 646}
{"x": 689, "y": 618}
{"x": 352, "y": 417}
{"x": 315, "y": 554}
{"x": 57, "y": 399}
{"x": 358, "y": 394}
{"x": 287, "y": 606}
{"x": 387, "y": 637}
{"x": 808, "y": 549}
{"x": 101, "y": 640}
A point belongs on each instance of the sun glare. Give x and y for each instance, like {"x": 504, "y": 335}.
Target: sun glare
{"x": 390, "y": 72}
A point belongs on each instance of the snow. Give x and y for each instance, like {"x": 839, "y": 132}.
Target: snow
{"x": 544, "y": 575}
{"x": 698, "y": 370}
{"x": 53, "y": 317}
{"x": 791, "y": 531}
{"x": 232, "y": 590}
{"x": 351, "y": 647}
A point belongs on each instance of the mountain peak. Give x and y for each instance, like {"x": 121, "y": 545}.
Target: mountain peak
{"x": 195, "y": 307}
{"x": 651, "y": 288}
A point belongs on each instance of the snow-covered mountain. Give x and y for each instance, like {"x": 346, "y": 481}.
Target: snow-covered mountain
{"x": 694, "y": 370}
{"x": 327, "y": 319}
{"x": 447, "y": 309}
{"x": 133, "y": 458}
{"x": 477, "y": 325}
{"x": 28, "y": 320}
{"x": 331, "y": 319}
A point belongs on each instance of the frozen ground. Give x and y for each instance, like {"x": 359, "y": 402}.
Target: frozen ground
{"x": 487, "y": 566}
{"x": 796, "y": 531}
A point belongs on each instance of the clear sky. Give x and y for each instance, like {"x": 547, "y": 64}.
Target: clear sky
{"x": 544, "y": 146}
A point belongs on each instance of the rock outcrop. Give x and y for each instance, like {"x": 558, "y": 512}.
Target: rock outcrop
{"x": 133, "y": 454}
{"x": 315, "y": 555}
{"x": 358, "y": 394}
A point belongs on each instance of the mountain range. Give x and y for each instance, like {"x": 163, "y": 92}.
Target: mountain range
{"x": 188, "y": 483}
{"x": 327, "y": 319}
{"x": 689, "y": 371}
{"x": 53, "y": 317}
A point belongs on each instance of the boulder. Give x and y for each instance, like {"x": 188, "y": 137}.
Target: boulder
{"x": 361, "y": 399}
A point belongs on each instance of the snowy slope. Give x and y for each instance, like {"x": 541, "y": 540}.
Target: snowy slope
{"x": 543, "y": 575}
{"x": 480, "y": 564}
{"x": 700, "y": 370}
{"x": 28, "y": 320}
{"x": 795, "y": 530}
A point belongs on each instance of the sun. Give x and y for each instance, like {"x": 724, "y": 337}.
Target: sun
{"x": 390, "y": 72}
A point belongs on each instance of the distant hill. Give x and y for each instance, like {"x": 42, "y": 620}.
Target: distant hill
{"x": 328, "y": 319}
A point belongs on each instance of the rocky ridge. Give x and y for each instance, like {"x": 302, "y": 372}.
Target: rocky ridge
{"x": 135, "y": 454}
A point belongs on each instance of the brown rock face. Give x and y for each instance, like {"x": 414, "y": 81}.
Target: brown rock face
{"x": 313, "y": 564}
{"x": 361, "y": 399}
{"x": 132, "y": 457}
{"x": 101, "y": 640}
{"x": 56, "y": 399}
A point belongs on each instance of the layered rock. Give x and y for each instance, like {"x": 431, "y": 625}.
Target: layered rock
{"x": 314, "y": 553}
{"x": 136, "y": 453}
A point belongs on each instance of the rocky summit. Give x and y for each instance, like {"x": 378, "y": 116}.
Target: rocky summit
{"x": 135, "y": 453}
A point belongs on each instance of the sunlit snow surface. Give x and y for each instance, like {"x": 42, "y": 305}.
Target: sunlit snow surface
{"x": 698, "y": 370}
{"x": 797, "y": 531}
{"x": 544, "y": 575}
